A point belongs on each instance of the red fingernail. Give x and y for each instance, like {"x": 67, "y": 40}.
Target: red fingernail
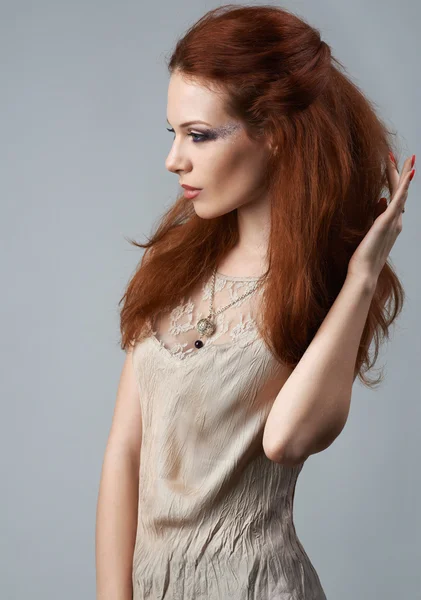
{"x": 392, "y": 157}
{"x": 412, "y": 174}
{"x": 413, "y": 160}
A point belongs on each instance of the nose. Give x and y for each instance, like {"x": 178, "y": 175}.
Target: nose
{"x": 175, "y": 161}
{"x": 170, "y": 165}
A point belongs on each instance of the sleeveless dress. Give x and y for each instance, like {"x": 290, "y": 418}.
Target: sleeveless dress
{"x": 215, "y": 515}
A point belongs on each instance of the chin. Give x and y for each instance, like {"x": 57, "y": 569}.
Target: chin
{"x": 209, "y": 211}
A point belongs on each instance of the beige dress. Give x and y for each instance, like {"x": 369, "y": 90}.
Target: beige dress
{"x": 215, "y": 515}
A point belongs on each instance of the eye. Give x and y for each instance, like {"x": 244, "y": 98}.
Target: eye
{"x": 197, "y": 137}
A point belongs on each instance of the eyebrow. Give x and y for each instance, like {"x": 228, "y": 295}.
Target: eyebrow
{"x": 191, "y": 123}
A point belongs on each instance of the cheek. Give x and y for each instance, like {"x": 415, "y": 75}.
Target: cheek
{"x": 237, "y": 172}
{"x": 226, "y": 163}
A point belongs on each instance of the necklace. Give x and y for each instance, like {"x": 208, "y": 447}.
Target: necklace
{"x": 207, "y": 325}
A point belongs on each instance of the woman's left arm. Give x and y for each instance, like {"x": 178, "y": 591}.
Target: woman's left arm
{"x": 313, "y": 405}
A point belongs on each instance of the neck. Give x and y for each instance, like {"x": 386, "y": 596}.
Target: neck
{"x": 254, "y": 228}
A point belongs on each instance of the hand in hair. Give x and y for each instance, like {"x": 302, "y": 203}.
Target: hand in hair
{"x": 371, "y": 255}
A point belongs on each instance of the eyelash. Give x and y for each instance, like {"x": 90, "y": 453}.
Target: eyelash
{"x": 194, "y": 136}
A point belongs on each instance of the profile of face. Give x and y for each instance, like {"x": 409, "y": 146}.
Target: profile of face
{"x": 216, "y": 156}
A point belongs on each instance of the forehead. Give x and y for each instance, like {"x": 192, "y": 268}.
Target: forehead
{"x": 188, "y": 100}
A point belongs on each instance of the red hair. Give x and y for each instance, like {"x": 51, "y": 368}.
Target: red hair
{"x": 280, "y": 80}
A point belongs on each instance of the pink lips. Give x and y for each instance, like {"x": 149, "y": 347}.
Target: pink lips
{"x": 189, "y": 187}
{"x": 191, "y": 193}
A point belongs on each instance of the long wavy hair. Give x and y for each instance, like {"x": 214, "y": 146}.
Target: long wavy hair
{"x": 280, "y": 80}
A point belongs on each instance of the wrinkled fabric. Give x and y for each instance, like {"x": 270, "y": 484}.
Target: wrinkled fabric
{"x": 215, "y": 515}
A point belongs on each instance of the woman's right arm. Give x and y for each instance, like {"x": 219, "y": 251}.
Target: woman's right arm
{"x": 116, "y": 517}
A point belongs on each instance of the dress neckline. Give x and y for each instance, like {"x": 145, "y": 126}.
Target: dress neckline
{"x": 234, "y": 278}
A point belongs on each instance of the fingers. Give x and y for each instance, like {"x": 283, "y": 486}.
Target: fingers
{"x": 392, "y": 174}
{"x": 395, "y": 178}
{"x": 400, "y": 193}
{"x": 405, "y": 174}
{"x": 406, "y": 167}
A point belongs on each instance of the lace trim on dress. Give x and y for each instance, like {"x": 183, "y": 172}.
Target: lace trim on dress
{"x": 175, "y": 331}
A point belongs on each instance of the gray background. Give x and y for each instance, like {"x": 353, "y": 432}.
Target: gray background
{"x": 83, "y": 95}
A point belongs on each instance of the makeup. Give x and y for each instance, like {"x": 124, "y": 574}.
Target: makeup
{"x": 191, "y": 193}
{"x": 224, "y": 131}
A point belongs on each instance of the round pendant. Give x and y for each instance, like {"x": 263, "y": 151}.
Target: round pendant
{"x": 205, "y": 327}
{"x": 198, "y": 344}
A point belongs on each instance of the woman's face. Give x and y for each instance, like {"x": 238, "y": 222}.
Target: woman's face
{"x": 217, "y": 157}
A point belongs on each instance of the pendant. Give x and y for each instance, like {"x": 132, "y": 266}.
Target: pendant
{"x": 205, "y": 327}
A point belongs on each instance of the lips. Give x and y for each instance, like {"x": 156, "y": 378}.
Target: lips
{"x": 190, "y": 194}
{"x": 188, "y": 187}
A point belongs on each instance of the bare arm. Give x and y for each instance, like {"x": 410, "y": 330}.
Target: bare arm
{"x": 116, "y": 518}
{"x": 312, "y": 408}
{"x": 313, "y": 405}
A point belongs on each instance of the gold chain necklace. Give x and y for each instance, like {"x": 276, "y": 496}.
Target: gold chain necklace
{"x": 207, "y": 325}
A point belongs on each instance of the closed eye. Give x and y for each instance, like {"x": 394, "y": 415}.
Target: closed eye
{"x": 197, "y": 137}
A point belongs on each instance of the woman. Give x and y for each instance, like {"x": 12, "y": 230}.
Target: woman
{"x": 250, "y": 315}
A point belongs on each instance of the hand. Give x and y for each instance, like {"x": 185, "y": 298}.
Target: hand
{"x": 371, "y": 255}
